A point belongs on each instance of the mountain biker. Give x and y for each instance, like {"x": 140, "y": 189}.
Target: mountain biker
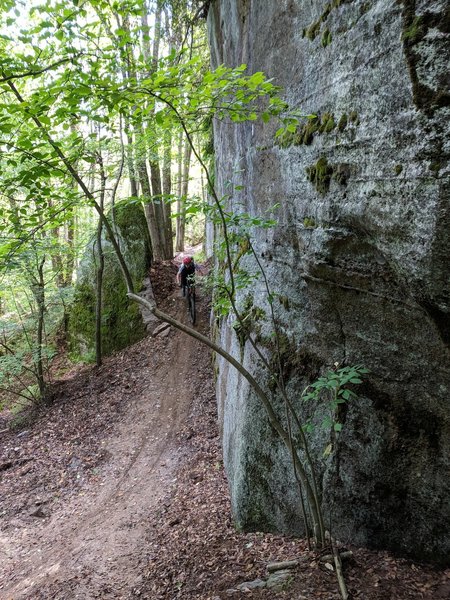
{"x": 187, "y": 269}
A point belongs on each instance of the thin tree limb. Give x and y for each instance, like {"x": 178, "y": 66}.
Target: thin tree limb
{"x": 34, "y": 73}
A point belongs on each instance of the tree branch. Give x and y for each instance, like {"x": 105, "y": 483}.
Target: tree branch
{"x": 86, "y": 191}
{"x": 34, "y": 73}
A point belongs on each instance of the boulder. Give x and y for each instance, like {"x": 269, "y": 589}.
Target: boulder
{"x": 359, "y": 260}
{"x": 122, "y": 323}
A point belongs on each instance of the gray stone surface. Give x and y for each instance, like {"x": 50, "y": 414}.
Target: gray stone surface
{"x": 363, "y": 260}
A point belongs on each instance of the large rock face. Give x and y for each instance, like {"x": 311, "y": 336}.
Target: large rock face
{"x": 122, "y": 323}
{"x": 361, "y": 253}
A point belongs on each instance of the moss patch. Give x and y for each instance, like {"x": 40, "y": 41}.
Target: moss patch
{"x": 415, "y": 28}
{"x": 121, "y": 319}
{"x": 327, "y": 123}
{"x": 314, "y": 29}
{"x": 342, "y": 122}
{"x": 320, "y": 175}
{"x": 309, "y": 222}
{"x": 341, "y": 173}
{"x": 317, "y": 125}
{"x": 435, "y": 167}
{"x": 327, "y": 38}
{"x": 251, "y": 315}
{"x": 415, "y": 31}
{"x": 353, "y": 117}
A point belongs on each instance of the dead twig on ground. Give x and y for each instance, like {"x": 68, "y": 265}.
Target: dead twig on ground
{"x": 339, "y": 572}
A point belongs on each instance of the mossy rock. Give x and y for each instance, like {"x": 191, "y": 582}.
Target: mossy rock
{"x": 320, "y": 175}
{"x": 121, "y": 320}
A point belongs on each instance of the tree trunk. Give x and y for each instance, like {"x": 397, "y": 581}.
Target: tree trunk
{"x": 132, "y": 175}
{"x": 38, "y": 289}
{"x": 181, "y": 206}
{"x": 157, "y": 250}
{"x": 100, "y": 270}
{"x": 167, "y": 190}
{"x": 69, "y": 258}
{"x": 152, "y": 56}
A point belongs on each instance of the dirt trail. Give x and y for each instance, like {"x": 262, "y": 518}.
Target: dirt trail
{"x": 91, "y": 545}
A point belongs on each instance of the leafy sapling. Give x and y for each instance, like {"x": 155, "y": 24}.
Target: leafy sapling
{"x": 332, "y": 388}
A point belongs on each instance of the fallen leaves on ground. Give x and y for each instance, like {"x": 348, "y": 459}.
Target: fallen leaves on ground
{"x": 193, "y": 549}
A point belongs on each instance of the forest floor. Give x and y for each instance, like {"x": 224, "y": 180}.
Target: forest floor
{"x": 117, "y": 491}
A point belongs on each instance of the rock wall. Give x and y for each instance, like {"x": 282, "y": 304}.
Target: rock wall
{"x": 360, "y": 256}
{"x": 122, "y": 322}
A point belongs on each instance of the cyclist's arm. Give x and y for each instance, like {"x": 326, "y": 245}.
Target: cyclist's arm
{"x": 179, "y": 274}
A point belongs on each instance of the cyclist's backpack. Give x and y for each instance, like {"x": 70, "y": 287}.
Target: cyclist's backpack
{"x": 189, "y": 269}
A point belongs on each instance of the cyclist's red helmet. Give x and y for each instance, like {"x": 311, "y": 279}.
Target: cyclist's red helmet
{"x": 187, "y": 260}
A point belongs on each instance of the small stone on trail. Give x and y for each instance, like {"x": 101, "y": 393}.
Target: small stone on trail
{"x": 278, "y": 579}
{"x": 38, "y": 513}
{"x": 160, "y": 329}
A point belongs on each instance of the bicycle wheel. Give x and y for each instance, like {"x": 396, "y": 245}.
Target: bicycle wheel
{"x": 191, "y": 306}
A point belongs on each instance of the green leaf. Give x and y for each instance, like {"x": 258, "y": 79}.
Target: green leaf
{"x": 328, "y": 450}
{"x": 159, "y": 117}
{"x": 45, "y": 120}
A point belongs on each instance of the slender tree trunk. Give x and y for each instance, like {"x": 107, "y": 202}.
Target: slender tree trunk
{"x": 100, "y": 269}
{"x": 38, "y": 289}
{"x": 130, "y": 157}
{"x": 131, "y": 164}
{"x": 158, "y": 203}
{"x": 152, "y": 56}
{"x": 167, "y": 190}
{"x": 146, "y": 184}
{"x": 69, "y": 258}
{"x": 179, "y": 188}
{"x": 57, "y": 259}
{"x": 181, "y": 220}
{"x": 167, "y": 161}
{"x": 157, "y": 250}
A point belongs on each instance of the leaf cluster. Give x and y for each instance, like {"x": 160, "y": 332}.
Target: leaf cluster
{"x": 333, "y": 388}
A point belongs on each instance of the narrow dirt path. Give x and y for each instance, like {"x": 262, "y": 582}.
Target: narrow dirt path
{"x": 90, "y": 545}
{"x": 117, "y": 491}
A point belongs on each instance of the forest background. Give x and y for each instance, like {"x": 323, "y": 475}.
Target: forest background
{"x": 85, "y": 125}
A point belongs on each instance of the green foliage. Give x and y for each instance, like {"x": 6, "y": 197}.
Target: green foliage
{"x": 304, "y": 133}
{"x": 332, "y": 388}
{"x": 20, "y": 354}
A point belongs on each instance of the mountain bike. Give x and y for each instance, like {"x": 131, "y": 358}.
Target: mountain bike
{"x": 189, "y": 293}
